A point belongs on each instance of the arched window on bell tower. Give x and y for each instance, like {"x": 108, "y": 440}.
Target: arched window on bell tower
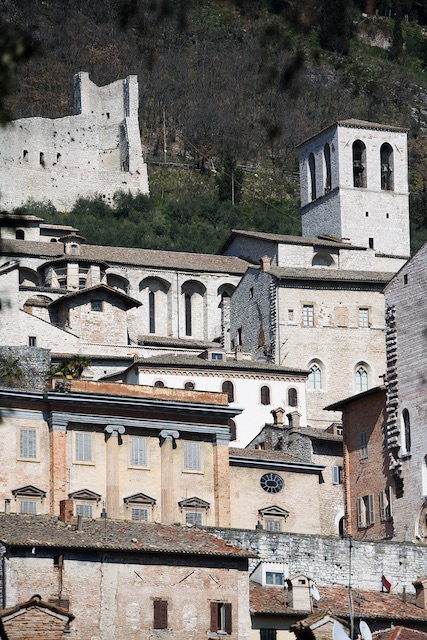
{"x": 387, "y": 182}
{"x": 311, "y": 177}
{"x": 359, "y": 164}
{"x": 327, "y": 174}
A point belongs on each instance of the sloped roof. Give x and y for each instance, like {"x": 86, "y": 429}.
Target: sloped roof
{"x": 268, "y": 456}
{"x": 354, "y": 123}
{"x": 50, "y": 532}
{"x": 324, "y": 274}
{"x": 399, "y": 633}
{"x": 35, "y": 601}
{"x": 366, "y": 604}
{"x": 279, "y": 238}
{"x": 103, "y": 288}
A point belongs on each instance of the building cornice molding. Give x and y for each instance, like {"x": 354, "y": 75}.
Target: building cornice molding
{"x": 225, "y": 373}
{"x": 277, "y": 465}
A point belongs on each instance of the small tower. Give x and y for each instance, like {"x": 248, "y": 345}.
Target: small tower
{"x": 354, "y": 186}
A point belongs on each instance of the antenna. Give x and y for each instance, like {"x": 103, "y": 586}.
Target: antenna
{"x": 338, "y": 632}
{"x": 315, "y": 592}
{"x": 365, "y": 631}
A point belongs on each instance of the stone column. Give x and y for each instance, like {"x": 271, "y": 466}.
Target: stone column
{"x": 222, "y": 483}
{"x": 113, "y": 436}
{"x": 58, "y": 461}
{"x": 168, "y": 444}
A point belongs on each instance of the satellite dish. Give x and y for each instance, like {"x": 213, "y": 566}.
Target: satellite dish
{"x": 365, "y": 631}
{"x": 338, "y": 632}
{"x": 315, "y": 592}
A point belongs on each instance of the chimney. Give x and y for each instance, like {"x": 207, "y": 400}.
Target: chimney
{"x": 238, "y": 352}
{"x": 278, "y": 416}
{"x": 265, "y": 263}
{"x": 294, "y": 419}
{"x": 66, "y": 511}
{"x": 420, "y": 585}
{"x": 299, "y": 592}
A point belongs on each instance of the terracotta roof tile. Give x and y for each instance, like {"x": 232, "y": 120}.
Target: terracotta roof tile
{"x": 399, "y": 633}
{"x": 49, "y": 531}
{"x": 290, "y": 273}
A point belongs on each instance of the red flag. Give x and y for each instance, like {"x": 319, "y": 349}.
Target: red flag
{"x": 385, "y": 583}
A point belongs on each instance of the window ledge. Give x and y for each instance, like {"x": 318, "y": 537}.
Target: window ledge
{"x": 28, "y": 459}
{"x": 193, "y": 471}
{"x": 405, "y": 456}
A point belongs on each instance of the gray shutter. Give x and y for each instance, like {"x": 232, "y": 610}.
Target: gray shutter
{"x": 192, "y": 455}
{"x": 27, "y": 443}
{"x": 371, "y": 509}
{"x": 83, "y": 443}
{"x": 138, "y": 452}
{"x": 360, "y": 507}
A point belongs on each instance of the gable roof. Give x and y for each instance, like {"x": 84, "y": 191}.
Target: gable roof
{"x": 100, "y": 288}
{"x": 279, "y": 238}
{"x": 35, "y": 601}
{"x": 354, "y": 123}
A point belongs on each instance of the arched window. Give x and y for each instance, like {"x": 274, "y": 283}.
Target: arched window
{"x": 159, "y": 383}
{"x": 228, "y": 388}
{"x": 314, "y": 377}
{"x": 292, "y": 397}
{"x": 359, "y": 164}
{"x": 322, "y": 260}
{"x": 151, "y": 312}
{"x": 20, "y": 235}
{"x": 327, "y": 160}
{"x": 361, "y": 379}
{"x": 387, "y": 167}
{"x": 406, "y": 440}
{"x": 233, "y": 429}
{"x": 312, "y": 177}
{"x": 190, "y": 386}
{"x": 188, "y": 318}
{"x": 265, "y": 395}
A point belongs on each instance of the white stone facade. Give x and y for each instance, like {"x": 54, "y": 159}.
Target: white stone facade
{"x": 95, "y": 152}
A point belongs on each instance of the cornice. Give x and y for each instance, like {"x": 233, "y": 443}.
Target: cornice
{"x": 224, "y": 373}
{"x": 277, "y": 465}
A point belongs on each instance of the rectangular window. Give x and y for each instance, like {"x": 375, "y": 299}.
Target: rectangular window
{"x": 28, "y": 506}
{"x": 365, "y": 511}
{"x": 308, "y": 315}
{"x": 160, "y": 614}
{"x": 28, "y": 443}
{"x": 363, "y": 445}
{"x": 363, "y": 317}
{"x": 32, "y": 341}
{"x": 273, "y": 577}
{"x": 273, "y": 525}
{"x": 216, "y": 356}
{"x": 84, "y": 510}
{"x": 139, "y": 514}
{"x": 192, "y": 456}
{"x": 267, "y": 634}
{"x": 96, "y": 305}
{"x": 337, "y": 475}
{"x": 138, "y": 452}
{"x": 193, "y": 517}
{"x": 221, "y": 617}
{"x": 385, "y": 500}
{"x": 83, "y": 447}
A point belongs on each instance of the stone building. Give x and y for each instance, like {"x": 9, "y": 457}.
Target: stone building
{"x": 97, "y": 151}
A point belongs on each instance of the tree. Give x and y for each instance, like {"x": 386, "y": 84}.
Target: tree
{"x": 397, "y": 44}
{"x": 230, "y": 180}
{"x": 69, "y": 367}
{"x": 335, "y": 23}
{"x": 10, "y": 371}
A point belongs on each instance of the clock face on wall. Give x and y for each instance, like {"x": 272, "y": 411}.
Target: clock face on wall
{"x": 271, "y": 482}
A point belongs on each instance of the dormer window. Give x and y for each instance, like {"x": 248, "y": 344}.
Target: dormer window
{"x": 96, "y": 305}
{"x": 74, "y": 249}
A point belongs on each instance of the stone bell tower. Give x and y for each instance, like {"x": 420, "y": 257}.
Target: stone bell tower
{"x": 354, "y": 186}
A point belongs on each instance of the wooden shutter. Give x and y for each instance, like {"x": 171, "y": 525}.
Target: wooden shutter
{"x": 227, "y": 611}
{"x": 27, "y": 444}
{"x": 383, "y": 507}
{"x": 192, "y": 455}
{"x": 265, "y": 395}
{"x": 360, "y": 507}
{"x": 138, "y": 452}
{"x": 83, "y": 443}
{"x": 371, "y": 510}
{"x": 214, "y": 616}
{"x": 160, "y": 614}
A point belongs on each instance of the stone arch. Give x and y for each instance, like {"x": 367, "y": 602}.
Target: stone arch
{"x": 362, "y": 377}
{"x": 316, "y": 376}
{"x": 226, "y": 290}
{"x": 322, "y": 259}
{"x": 118, "y": 282}
{"x": 38, "y": 306}
{"x": 28, "y": 277}
{"x": 359, "y": 164}
{"x": 154, "y": 295}
{"x": 386, "y": 153}
{"x": 20, "y": 234}
{"x": 193, "y": 294}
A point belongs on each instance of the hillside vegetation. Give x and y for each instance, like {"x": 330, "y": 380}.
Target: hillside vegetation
{"x": 229, "y": 89}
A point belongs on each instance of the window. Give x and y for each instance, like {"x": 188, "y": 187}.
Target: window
{"x": 312, "y": 177}
{"x": 359, "y": 164}
{"x": 84, "y": 510}
{"x": 159, "y": 383}
{"x": 28, "y": 506}
{"x": 361, "y": 380}
{"x": 290, "y": 315}
{"x": 337, "y": 475}
{"x": 233, "y": 429}
{"x": 385, "y": 500}
{"x": 365, "y": 511}
{"x": 363, "y": 445}
{"x": 192, "y": 456}
{"x": 188, "y": 314}
{"x": 314, "y": 377}
{"x": 308, "y": 315}
{"x": 386, "y": 167}
{"x": 151, "y": 312}
{"x": 193, "y": 517}
{"x": 371, "y": 243}
{"x": 32, "y": 341}
{"x": 96, "y": 305}
{"x": 273, "y": 525}
{"x": 190, "y": 386}
{"x": 216, "y": 356}
{"x": 137, "y": 513}
{"x": 28, "y": 443}
{"x": 83, "y": 447}
{"x": 160, "y": 614}
{"x": 273, "y": 577}
{"x": 20, "y": 235}
{"x": 265, "y": 395}
{"x": 267, "y": 634}
{"x": 327, "y": 161}
{"x": 363, "y": 317}
{"x": 292, "y": 397}
{"x": 41, "y": 159}
{"x": 74, "y": 249}
{"x": 138, "y": 452}
{"x": 221, "y": 617}
{"x": 406, "y": 440}
{"x": 228, "y": 388}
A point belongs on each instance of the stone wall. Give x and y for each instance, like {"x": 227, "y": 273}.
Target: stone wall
{"x": 34, "y": 364}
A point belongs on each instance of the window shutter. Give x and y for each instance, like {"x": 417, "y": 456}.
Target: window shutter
{"x": 138, "y": 452}
{"x": 390, "y": 493}
{"x": 336, "y": 475}
{"x": 160, "y": 614}
{"x": 27, "y": 443}
{"x": 227, "y": 608}
{"x": 83, "y": 442}
{"x": 371, "y": 510}
{"x": 360, "y": 506}
{"x": 383, "y": 508}
{"x": 265, "y": 395}
{"x": 192, "y": 455}
{"x": 214, "y": 616}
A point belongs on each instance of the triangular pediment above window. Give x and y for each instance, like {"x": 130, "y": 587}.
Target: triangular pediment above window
{"x": 194, "y": 503}
{"x": 139, "y": 498}
{"x": 29, "y": 490}
{"x": 85, "y": 494}
{"x": 273, "y": 511}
